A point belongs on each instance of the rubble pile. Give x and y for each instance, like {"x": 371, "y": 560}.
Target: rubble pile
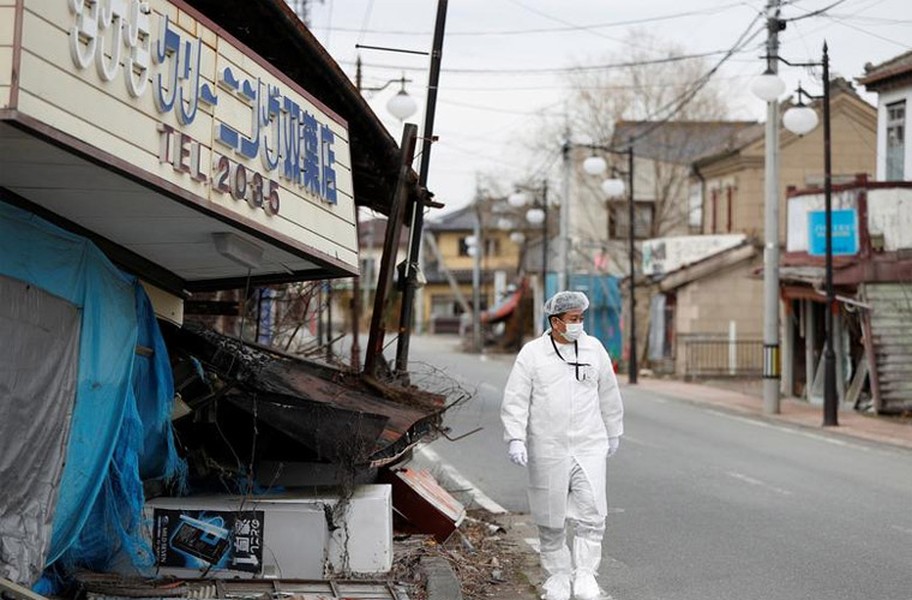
{"x": 486, "y": 563}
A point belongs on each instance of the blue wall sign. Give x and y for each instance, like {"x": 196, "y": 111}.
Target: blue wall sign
{"x": 845, "y": 232}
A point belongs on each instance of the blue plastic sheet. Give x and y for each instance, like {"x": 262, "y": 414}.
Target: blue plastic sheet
{"x": 120, "y": 428}
{"x": 603, "y": 319}
{"x": 71, "y": 267}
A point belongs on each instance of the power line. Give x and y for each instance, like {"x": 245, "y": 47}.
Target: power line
{"x": 554, "y": 70}
{"x": 367, "y": 16}
{"x": 843, "y": 21}
{"x": 816, "y": 12}
{"x": 684, "y": 99}
{"x": 603, "y": 88}
{"x": 570, "y": 28}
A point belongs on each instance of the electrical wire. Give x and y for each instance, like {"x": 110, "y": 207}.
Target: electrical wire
{"x": 568, "y": 28}
{"x": 367, "y": 16}
{"x": 554, "y": 70}
{"x": 816, "y": 12}
{"x": 677, "y": 105}
{"x": 842, "y": 20}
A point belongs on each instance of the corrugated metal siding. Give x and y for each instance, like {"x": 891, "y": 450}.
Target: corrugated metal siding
{"x": 891, "y": 328}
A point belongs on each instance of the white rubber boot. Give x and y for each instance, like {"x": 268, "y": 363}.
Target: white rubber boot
{"x": 586, "y": 557}
{"x": 558, "y": 568}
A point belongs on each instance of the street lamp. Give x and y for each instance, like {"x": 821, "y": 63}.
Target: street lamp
{"x": 614, "y": 188}
{"x": 801, "y": 119}
{"x": 401, "y": 106}
{"x": 536, "y": 215}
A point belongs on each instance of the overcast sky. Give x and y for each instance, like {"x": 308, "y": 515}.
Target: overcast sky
{"x": 504, "y": 61}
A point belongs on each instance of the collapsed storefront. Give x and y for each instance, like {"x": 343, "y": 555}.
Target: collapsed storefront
{"x": 871, "y": 311}
{"x": 150, "y": 151}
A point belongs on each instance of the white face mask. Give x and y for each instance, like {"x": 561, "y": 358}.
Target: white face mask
{"x": 573, "y": 331}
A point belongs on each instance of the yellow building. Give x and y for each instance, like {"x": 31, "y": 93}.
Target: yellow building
{"x": 450, "y": 263}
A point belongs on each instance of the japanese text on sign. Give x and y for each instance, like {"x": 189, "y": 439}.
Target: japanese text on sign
{"x": 290, "y": 142}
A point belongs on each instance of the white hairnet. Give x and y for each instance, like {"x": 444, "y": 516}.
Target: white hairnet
{"x": 561, "y": 302}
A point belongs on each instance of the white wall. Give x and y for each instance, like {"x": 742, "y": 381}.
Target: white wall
{"x": 883, "y": 99}
{"x": 889, "y": 215}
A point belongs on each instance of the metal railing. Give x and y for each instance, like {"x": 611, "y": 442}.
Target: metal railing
{"x": 722, "y": 358}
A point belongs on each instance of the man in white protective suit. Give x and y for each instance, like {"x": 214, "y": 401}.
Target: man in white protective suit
{"x": 563, "y": 416}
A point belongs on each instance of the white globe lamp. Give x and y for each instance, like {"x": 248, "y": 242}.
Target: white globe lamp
{"x": 517, "y": 237}
{"x": 401, "y": 106}
{"x": 768, "y": 87}
{"x": 595, "y": 165}
{"x": 613, "y": 188}
{"x": 517, "y": 199}
{"x": 800, "y": 119}
{"x": 535, "y": 216}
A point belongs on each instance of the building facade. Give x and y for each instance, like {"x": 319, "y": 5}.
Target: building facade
{"x": 150, "y": 152}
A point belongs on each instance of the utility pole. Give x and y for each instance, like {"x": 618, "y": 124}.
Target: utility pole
{"x": 415, "y": 231}
{"x": 771, "y": 358}
{"x": 633, "y": 370}
{"x": 563, "y": 278}
{"x": 374, "y": 354}
{"x": 476, "y": 277}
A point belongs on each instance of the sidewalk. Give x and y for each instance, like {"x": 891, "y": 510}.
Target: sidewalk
{"x": 852, "y": 424}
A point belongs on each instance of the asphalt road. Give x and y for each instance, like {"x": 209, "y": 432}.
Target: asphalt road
{"x": 710, "y": 505}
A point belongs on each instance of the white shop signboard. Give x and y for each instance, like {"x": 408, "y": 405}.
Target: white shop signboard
{"x": 155, "y": 85}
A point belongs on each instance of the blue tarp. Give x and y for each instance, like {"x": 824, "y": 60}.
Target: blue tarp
{"x": 121, "y": 417}
{"x": 603, "y": 319}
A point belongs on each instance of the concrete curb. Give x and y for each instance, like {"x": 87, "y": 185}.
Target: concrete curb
{"x": 442, "y": 583}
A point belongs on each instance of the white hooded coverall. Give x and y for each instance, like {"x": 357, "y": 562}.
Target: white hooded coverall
{"x": 563, "y": 422}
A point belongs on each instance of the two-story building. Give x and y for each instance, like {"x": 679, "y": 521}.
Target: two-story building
{"x": 466, "y": 240}
{"x": 872, "y": 218}
{"x": 723, "y": 292}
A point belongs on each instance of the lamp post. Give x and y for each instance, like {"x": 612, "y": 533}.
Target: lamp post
{"x": 769, "y": 87}
{"x": 536, "y": 215}
{"x": 801, "y": 119}
{"x": 417, "y": 223}
{"x": 596, "y": 165}
{"x": 401, "y": 106}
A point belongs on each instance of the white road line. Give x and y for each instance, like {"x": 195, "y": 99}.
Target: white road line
{"x": 790, "y": 430}
{"x": 757, "y": 482}
{"x": 629, "y": 439}
{"x": 452, "y": 479}
{"x": 902, "y": 529}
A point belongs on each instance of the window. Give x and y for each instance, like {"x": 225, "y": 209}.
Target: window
{"x": 643, "y": 215}
{"x": 714, "y": 210}
{"x": 896, "y": 140}
{"x": 491, "y": 247}
{"x": 695, "y": 209}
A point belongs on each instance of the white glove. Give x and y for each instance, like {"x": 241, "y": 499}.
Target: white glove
{"x": 613, "y": 444}
{"x": 517, "y": 452}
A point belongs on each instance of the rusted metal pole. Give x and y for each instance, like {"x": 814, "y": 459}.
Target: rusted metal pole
{"x": 415, "y": 231}
{"x": 374, "y": 351}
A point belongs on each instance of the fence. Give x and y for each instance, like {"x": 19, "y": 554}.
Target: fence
{"x": 723, "y": 358}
